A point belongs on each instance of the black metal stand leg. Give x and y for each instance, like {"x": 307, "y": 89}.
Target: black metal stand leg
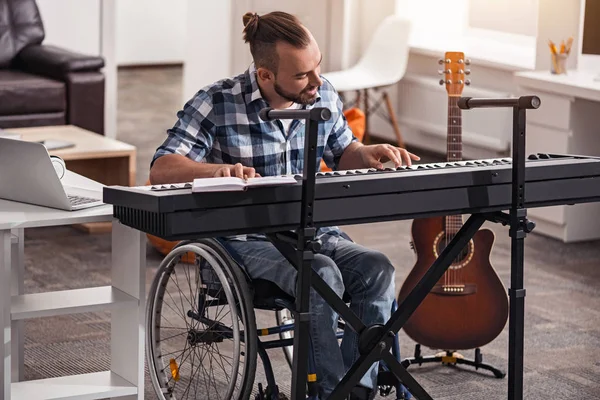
{"x": 300, "y": 247}
{"x": 518, "y": 222}
{"x": 519, "y": 227}
{"x": 302, "y": 326}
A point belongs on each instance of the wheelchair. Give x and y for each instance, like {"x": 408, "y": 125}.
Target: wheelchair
{"x": 201, "y": 334}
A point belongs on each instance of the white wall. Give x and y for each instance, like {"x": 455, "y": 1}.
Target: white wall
{"x": 507, "y": 16}
{"x": 73, "y": 24}
{"x": 152, "y": 31}
{"x": 208, "y": 55}
{"x": 147, "y": 31}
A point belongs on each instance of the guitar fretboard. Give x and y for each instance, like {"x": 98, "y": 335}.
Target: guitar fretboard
{"x": 454, "y": 153}
{"x": 454, "y": 145}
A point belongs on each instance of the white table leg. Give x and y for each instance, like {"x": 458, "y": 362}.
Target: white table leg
{"x": 5, "y": 266}
{"x": 17, "y": 288}
{"x": 128, "y": 323}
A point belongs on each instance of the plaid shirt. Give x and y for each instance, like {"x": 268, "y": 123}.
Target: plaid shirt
{"x": 220, "y": 125}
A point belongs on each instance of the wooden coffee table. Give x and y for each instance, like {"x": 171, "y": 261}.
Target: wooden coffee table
{"x": 94, "y": 156}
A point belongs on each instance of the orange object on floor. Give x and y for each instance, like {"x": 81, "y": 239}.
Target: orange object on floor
{"x": 356, "y": 122}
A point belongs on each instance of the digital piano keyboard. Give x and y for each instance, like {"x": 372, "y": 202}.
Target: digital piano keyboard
{"x": 174, "y": 212}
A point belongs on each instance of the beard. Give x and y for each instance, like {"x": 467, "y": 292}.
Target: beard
{"x": 301, "y": 98}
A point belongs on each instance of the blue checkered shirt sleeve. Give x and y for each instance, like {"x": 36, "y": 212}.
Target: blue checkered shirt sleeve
{"x": 340, "y": 137}
{"x": 193, "y": 134}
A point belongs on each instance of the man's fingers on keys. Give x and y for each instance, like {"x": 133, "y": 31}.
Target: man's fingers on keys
{"x": 225, "y": 172}
{"x": 250, "y": 172}
{"x": 406, "y": 157}
{"x": 238, "y": 170}
{"x": 399, "y": 156}
{"x": 393, "y": 154}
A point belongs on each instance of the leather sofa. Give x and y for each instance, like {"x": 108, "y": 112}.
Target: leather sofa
{"x": 41, "y": 84}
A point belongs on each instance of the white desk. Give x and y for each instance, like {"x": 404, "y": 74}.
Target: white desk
{"x": 125, "y": 298}
{"x": 567, "y": 122}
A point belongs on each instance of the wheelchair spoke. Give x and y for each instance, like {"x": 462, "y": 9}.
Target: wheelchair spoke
{"x": 179, "y": 287}
{"x": 212, "y": 372}
{"x": 191, "y": 374}
{"x": 220, "y": 363}
{"x": 182, "y": 296}
{"x": 189, "y": 280}
{"x": 183, "y": 316}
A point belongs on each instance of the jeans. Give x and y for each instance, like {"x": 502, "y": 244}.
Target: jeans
{"x": 367, "y": 276}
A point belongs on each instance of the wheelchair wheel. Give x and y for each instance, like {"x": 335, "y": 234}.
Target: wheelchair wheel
{"x": 201, "y": 328}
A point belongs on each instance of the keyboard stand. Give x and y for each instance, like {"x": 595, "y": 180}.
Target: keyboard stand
{"x": 375, "y": 342}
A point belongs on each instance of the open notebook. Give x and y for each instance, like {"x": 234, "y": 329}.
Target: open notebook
{"x": 229, "y": 184}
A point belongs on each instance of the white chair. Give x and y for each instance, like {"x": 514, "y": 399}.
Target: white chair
{"x": 383, "y": 64}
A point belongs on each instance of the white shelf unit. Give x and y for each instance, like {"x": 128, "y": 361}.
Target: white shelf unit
{"x": 125, "y": 299}
{"x": 99, "y": 385}
{"x": 69, "y": 302}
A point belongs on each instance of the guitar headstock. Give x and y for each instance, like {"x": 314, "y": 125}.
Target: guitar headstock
{"x": 454, "y": 72}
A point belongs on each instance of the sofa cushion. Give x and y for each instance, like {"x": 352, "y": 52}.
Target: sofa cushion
{"x": 30, "y": 120}
{"x": 22, "y": 93}
{"x": 20, "y": 26}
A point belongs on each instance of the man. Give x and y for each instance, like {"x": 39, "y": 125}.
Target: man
{"x": 219, "y": 133}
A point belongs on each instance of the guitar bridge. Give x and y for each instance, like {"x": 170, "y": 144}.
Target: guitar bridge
{"x": 455, "y": 290}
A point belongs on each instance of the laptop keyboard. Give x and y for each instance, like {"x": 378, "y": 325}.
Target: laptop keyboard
{"x": 79, "y": 200}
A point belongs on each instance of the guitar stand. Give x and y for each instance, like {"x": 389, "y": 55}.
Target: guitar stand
{"x": 452, "y": 358}
{"x": 375, "y": 341}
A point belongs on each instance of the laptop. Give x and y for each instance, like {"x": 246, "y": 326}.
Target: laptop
{"x": 28, "y": 176}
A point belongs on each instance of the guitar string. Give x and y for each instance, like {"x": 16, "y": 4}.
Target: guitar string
{"x": 454, "y": 148}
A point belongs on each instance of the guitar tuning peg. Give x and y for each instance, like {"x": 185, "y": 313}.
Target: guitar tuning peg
{"x": 449, "y": 81}
{"x": 441, "y": 72}
{"x": 460, "y": 61}
{"x": 467, "y": 72}
{"x": 442, "y": 82}
{"x": 448, "y": 61}
{"x": 460, "y": 82}
{"x": 467, "y": 82}
{"x": 467, "y": 62}
{"x": 440, "y": 61}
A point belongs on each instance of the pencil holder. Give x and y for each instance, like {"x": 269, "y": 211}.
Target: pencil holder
{"x": 558, "y": 63}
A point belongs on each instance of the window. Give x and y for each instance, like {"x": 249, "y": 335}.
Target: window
{"x": 517, "y": 17}
{"x": 434, "y": 16}
{"x": 500, "y": 32}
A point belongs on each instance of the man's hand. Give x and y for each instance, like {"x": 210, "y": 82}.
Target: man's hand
{"x": 375, "y": 155}
{"x": 236, "y": 170}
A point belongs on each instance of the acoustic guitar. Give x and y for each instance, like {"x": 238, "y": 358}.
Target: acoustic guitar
{"x": 468, "y": 307}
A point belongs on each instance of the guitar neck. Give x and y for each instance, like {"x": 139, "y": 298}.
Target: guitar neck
{"x": 454, "y": 153}
{"x": 454, "y": 137}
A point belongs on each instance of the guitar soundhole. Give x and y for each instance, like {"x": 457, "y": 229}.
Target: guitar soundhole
{"x": 463, "y": 258}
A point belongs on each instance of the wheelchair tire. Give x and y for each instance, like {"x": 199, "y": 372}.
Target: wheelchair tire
{"x": 218, "y": 280}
